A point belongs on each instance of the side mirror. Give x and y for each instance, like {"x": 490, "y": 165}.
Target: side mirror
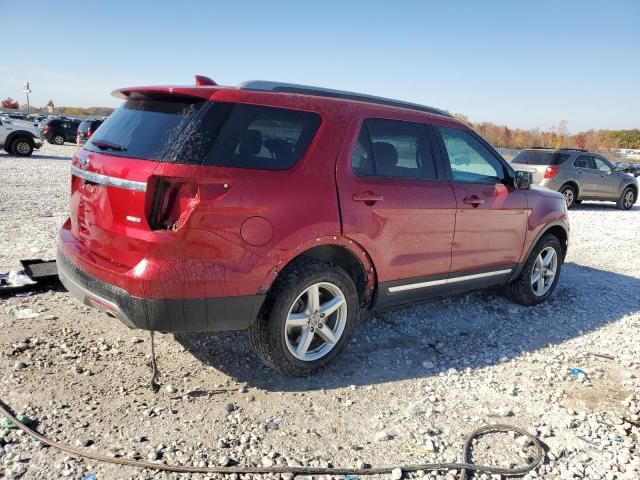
{"x": 522, "y": 180}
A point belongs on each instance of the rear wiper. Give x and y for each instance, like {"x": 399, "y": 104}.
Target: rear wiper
{"x": 104, "y": 145}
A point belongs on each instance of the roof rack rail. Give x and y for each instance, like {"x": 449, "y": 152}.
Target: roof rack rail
{"x": 265, "y": 85}
{"x": 574, "y": 149}
{"x": 540, "y": 148}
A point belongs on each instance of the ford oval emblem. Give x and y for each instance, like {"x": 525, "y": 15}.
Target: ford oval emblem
{"x": 84, "y": 161}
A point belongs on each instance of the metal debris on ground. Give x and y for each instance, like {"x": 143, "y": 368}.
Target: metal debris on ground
{"x": 35, "y": 273}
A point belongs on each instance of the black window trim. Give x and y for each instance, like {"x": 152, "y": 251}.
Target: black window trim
{"x": 429, "y": 137}
{"x": 509, "y": 172}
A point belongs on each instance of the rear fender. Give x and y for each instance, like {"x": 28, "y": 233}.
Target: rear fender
{"x": 285, "y": 258}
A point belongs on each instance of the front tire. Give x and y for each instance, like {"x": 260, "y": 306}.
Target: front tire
{"x": 307, "y": 319}
{"x": 627, "y": 199}
{"x": 539, "y": 276}
{"x": 58, "y": 139}
{"x": 570, "y": 195}
{"x": 23, "y": 147}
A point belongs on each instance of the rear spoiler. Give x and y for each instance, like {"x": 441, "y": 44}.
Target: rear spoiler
{"x": 165, "y": 92}
{"x": 203, "y": 88}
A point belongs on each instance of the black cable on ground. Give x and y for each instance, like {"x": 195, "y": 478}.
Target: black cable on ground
{"x": 154, "y": 367}
{"x": 463, "y": 467}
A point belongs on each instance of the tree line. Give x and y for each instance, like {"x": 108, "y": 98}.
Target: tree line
{"x": 555, "y": 137}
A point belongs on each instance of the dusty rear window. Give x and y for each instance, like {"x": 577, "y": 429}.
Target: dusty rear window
{"x": 144, "y": 129}
{"x": 207, "y": 133}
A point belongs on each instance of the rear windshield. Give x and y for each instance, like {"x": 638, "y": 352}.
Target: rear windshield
{"x": 143, "y": 129}
{"x": 530, "y": 157}
{"x": 207, "y": 133}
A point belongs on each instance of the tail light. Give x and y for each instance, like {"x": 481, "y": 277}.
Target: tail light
{"x": 172, "y": 203}
{"x": 550, "y": 172}
{"x": 89, "y": 132}
{"x": 45, "y": 129}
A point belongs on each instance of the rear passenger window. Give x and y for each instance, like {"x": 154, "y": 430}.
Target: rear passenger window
{"x": 584, "y": 161}
{"x": 392, "y": 148}
{"x": 250, "y": 136}
{"x": 362, "y": 156}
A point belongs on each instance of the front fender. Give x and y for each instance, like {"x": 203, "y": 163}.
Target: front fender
{"x": 562, "y": 223}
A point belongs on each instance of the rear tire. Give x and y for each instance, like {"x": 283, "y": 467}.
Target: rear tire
{"x": 294, "y": 337}
{"x": 524, "y": 289}
{"x": 570, "y": 195}
{"x": 627, "y": 199}
{"x": 23, "y": 146}
{"x": 58, "y": 139}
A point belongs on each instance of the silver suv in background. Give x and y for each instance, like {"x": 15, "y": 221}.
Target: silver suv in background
{"x": 579, "y": 175}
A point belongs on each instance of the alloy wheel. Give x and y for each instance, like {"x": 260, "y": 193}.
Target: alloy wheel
{"x": 22, "y": 148}
{"x": 628, "y": 199}
{"x": 569, "y": 197}
{"x": 544, "y": 271}
{"x": 315, "y": 322}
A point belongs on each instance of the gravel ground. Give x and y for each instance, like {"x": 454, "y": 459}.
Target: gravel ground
{"x": 408, "y": 389}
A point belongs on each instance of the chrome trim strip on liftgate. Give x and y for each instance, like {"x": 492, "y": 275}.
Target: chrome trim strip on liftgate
{"x": 108, "y": 181}
{"x": 446, "y": 281}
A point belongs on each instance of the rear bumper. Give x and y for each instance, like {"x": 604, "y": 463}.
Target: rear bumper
{"x": 164, "y": 315}
{"x": 37, "y": 142}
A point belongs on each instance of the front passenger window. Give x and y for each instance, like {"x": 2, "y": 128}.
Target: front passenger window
{"x": 470, "y": 160}
{"x": 602, "y": 165}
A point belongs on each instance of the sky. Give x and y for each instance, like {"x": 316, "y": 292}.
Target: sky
{"x": 520, "y": 64}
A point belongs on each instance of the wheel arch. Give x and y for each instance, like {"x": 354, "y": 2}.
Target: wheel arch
{"x": 19, "y": 134}
{"x": 574, "y": 185}
{"x": 559, "y": 230}
{"x": 339, "y": 251}
{"x": 633, "y": 187}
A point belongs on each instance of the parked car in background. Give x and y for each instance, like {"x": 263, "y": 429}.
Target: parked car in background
{"x": 630, "y": 168}
{"x": 15, "y": 116}
{"x": 37, "y": 118}
{"x": 18, "y": 138}
{"x": 59, "y": 130}
{"x": 86, "y": 129}
{"x": 579, "y": 175}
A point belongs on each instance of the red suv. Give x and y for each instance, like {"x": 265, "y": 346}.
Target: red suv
{"x": 289, "y": 210}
